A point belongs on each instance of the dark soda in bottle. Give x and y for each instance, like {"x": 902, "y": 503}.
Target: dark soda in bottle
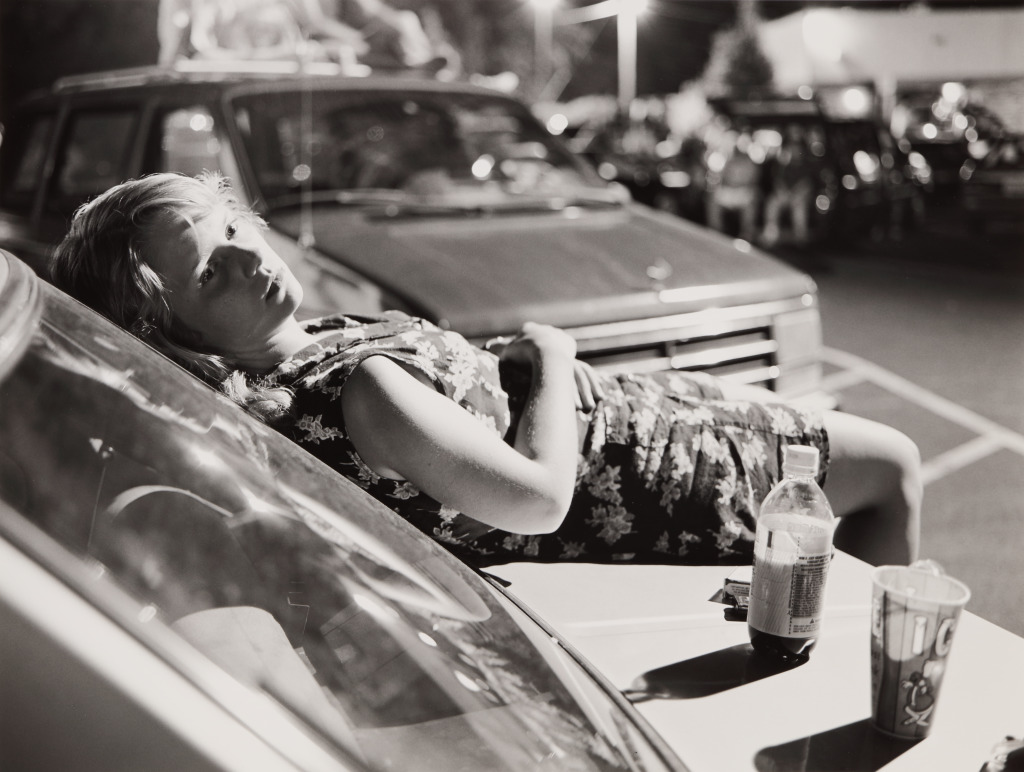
{"x": 792, "y": 552}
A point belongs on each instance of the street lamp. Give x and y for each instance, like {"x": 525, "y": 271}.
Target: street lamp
{"x": 628, "y": 12}
{"x": 543, "y": 32}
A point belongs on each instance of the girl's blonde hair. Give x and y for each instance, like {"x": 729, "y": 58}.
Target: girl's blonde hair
{"x": 101, "y": 263}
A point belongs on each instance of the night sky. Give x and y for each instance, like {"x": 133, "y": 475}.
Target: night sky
{"x": 41, "y": 40}
{"x": 674, "y": 39}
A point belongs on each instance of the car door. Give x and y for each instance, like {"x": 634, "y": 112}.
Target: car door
{"x": 96, "y": 147}
{"x": 23, "y": 163}
{"x": 62, "y": 153}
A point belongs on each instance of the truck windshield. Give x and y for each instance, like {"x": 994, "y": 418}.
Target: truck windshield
{"x": 437, "y": 148}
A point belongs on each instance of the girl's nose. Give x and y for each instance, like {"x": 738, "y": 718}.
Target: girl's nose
{"x": 248, "y": 261}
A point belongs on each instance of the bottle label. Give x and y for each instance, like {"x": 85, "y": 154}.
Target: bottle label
{"x": 787, "y": 586}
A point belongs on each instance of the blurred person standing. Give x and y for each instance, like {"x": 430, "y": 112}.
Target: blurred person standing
{"x": 734, "y": 183}
{"x": 792, "y": 175}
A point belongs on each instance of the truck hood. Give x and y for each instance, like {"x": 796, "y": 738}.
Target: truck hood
{"x": 566, "y": 267}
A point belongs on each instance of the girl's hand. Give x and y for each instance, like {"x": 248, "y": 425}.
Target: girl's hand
{"x": 588, "y": 384}
{"x": 588, "y": 387}
{"x": 533, "y": 342}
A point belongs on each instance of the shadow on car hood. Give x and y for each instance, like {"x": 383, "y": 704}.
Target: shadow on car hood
{"x": 487, "y": 273}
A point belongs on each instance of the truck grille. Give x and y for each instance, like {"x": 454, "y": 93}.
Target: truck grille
{"x": 747, "y": 344}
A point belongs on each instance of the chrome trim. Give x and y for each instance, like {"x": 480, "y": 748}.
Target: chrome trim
{"x": 723, "y": 354}
{"x": 763, "y": 374}
{"x": 709, "y": 322}
{"x": 766, "y": 374}
{"x": 759, "y": 343}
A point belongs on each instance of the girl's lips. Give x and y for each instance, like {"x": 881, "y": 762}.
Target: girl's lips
{"x": 275, "y": 285}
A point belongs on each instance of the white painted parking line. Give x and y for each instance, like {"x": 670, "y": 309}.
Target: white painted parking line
{"x": 842, "y": 379}
{"x": 992, "y": 436}
{"x": 957, "y": 458}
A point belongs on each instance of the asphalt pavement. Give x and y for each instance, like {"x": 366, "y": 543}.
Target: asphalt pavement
{"x": 925, "y": 334}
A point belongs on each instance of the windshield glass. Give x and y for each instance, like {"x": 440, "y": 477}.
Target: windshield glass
{"x": 364, "y": 147}
{"x": 229, "y": 535}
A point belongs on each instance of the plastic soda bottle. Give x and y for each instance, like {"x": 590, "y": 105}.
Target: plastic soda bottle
{"x": 792, "y": 551}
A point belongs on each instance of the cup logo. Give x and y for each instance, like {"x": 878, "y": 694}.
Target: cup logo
{"x": 921, "y": 686}
{"x": 944, "y": 637}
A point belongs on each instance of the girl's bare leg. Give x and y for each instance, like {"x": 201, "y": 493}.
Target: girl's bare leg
{"x": 874, "y": 485}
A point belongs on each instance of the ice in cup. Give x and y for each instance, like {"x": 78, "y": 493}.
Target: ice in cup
{"x": 914, "y": 613}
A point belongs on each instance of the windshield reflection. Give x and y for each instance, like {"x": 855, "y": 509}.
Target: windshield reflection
{"x": 409, "y": 149}
{"x": 221, "y": 530}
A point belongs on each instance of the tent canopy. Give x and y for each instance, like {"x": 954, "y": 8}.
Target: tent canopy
{"x": 833, "y": 46}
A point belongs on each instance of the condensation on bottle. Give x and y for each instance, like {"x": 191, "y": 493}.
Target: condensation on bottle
{"x": 792, "y": 552}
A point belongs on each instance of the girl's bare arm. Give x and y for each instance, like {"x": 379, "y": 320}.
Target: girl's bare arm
{"x": 404, "y": 429}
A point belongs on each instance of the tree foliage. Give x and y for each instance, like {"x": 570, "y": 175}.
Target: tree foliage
{"x": 738, "y": 66}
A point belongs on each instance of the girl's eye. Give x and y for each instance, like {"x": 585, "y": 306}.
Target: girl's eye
{"x": 206, "y": 275}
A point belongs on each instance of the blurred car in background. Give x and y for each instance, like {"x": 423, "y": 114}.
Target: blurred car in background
{"x": 864, "y": 182}
{"x": 184, "y": 588}
{"x": 445, "y": 200}
{"x": 941, "y": 127}
{"x": 992, "y": 186}
{"x": 659, "y": 170}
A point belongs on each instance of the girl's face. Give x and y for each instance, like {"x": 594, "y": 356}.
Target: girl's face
{"x": 225, "y": 283}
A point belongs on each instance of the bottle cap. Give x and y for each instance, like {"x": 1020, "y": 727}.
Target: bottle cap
{"x": 801, "y": 459}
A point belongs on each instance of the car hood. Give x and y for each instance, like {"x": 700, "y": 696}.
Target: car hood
{"x": 189, "y": 504}
{"x": 598, "y": 265}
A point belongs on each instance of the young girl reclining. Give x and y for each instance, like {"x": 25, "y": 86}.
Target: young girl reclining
{"x": 517, "y": 452}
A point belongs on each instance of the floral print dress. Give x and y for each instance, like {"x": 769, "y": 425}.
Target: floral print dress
{"x": 668, "y": 471}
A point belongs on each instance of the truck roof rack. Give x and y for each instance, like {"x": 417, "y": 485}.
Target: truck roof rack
{"x": 184, "y": 70}
{"x": 779, "y": 106}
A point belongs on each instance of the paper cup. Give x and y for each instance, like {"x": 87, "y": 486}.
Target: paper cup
{"x": 914, "y": 614}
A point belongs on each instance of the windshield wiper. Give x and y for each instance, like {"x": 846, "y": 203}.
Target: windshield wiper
{"x": 512, "y": 206}
{"x": 389, "y": 203}
{"x": 359, "y": 197}
{"x": 370, "y": 196}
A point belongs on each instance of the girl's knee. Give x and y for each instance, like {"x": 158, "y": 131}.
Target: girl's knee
{"x": 906, "y": 457}
{"x": 872, "y": 462}
{"x": 908, "y": 496}
{"x": 861, "y": 439}
{"x": 875, "y": 479}
{"x": 913, "y": 482}
{"x": 903, "y": 457}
